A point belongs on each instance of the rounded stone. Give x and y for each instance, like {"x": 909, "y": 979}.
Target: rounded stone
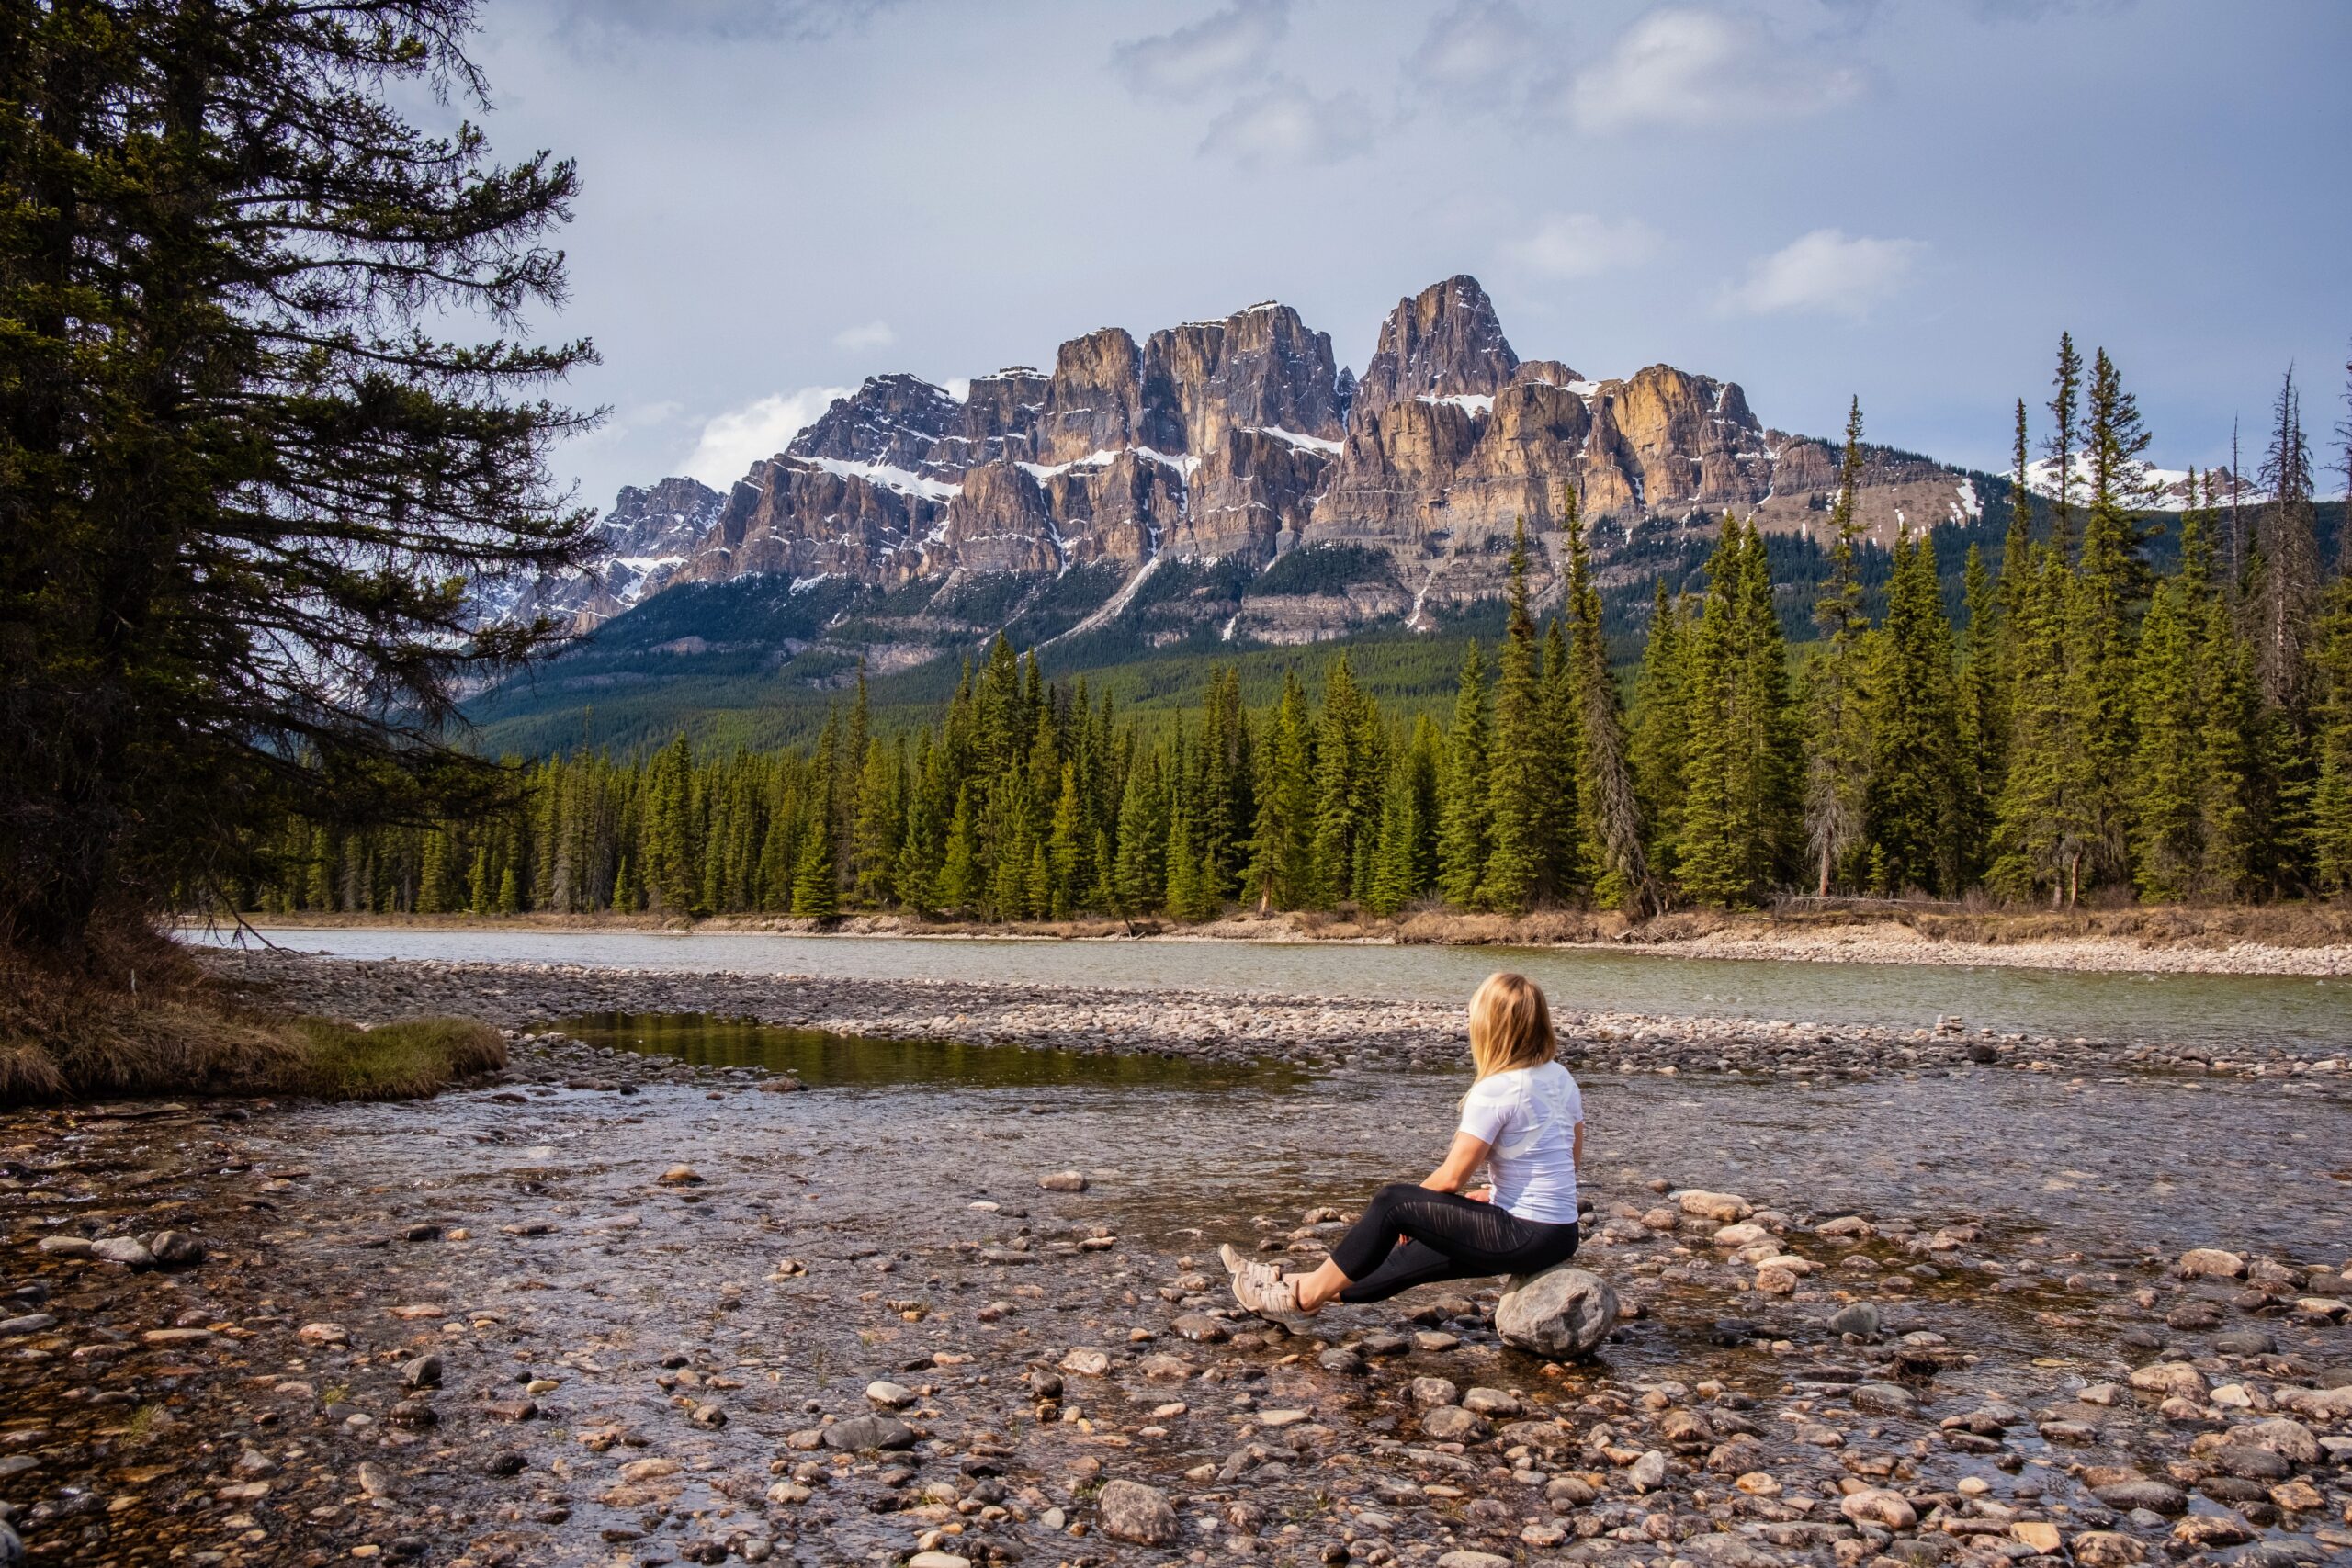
{"x": 1562, "y": 1312}
{"x": 1132, "y": 1511}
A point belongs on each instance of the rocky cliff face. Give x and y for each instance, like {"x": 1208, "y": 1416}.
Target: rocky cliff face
{"x": 1239, "y": 441}
{"x": 647, "y": 535}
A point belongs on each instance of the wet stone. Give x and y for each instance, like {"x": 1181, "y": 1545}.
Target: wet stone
{"x": 860, "y": 1433}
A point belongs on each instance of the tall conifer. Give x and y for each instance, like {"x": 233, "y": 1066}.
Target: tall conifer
{"x": 1837, "y": 741}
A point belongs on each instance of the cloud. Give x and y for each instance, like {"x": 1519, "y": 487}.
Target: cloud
{"x": 1220, "y": 48}
{"x": 1688, "y": 67}
{"x": 1285, "y": 123}
{"x": 861, "y": 339}
{"x": 798, "y": 21}
{"x": 1477, "y": 56}
{"x": 732, "y": 442}
{"x": 1825, "y": 272}
{"x": 1580, "y": 244}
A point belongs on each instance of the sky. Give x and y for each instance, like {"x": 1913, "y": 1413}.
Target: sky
{"x": 1902, "y": 200}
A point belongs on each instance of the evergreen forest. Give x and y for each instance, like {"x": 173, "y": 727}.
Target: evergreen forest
{"x": 2105, "y": 714}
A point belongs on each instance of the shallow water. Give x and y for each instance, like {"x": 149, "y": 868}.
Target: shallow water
{"x": 2116, "y": 1168}
{"x": 824, "y": 1060}
{"x": 2214, "y": 1012}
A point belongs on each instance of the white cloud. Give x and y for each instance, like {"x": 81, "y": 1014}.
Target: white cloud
{"x": 861, "y": 339}
{"x": 733, "y": 441}
{"x": 1220, "y": 48}
{"x": 1689, "y": 67}
{"x": 1825, "y": 272}
{"x": 1580, "y": 244}
{"x": 1285, "y": 123}
{"x": 1477, "y": 54}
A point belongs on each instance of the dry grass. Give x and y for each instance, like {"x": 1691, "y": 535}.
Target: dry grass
{"x": 134, "y": 1016}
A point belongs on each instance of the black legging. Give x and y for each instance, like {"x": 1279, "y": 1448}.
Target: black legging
{"x": 1447, "y": 1236}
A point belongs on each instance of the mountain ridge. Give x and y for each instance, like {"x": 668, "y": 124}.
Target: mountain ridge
{"x": 1236, "y": 440}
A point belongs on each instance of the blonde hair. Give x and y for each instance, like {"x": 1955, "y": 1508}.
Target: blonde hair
{"x": 1510, "y": 1026}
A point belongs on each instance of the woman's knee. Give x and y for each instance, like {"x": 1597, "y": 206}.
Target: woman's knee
{"x": 1398, "y": 1193}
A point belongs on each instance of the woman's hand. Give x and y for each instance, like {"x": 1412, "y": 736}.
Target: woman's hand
{"x": 1481, "y": 1195}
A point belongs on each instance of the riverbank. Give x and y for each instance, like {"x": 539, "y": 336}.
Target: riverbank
{"x": 2291, "y": 940}
{"x": 616, "y": 1309}
{"x": 1225, "y": 1027}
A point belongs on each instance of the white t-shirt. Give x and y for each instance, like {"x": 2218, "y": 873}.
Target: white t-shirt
{"x": 1530, "y": 1115}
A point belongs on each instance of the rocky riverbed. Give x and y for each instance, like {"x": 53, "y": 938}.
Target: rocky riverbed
{"x": 1221, "y": 1026}
{"x": 613, "y": 1307}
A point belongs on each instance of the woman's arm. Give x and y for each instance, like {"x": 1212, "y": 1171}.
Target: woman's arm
{"x": 1578, "y": 1153}
{"x": 1462, "y": 1162}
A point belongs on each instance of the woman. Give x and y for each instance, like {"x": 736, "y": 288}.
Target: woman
{"x": 1523, "y": 1119}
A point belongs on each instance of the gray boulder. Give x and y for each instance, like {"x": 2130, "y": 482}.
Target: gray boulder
{"x": 1562, "y": 1312}
{"x": 1132, "y": 1511}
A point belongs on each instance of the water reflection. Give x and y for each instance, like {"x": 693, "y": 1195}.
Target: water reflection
{"x": 824, "y": 1060}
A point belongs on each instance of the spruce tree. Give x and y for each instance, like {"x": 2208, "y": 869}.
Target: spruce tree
{"x": 248, "y": 463}
{"x": 2168, "y": 795}
{"x": 1913, "y": 722}
{"x": 1520, "y": 794}
{"x": 961, "y": 875}
{"x": 815, "y": 879}
{"x": 2109, "y": 576}
{"x": 2331, "y": 814}
{"x": 1661, "y": 737}
{"x": 2041, "y": 827}
{"x": 1283, "y": 846}
{"x": 2233, "y": 811}
{"x": 1984, "y": 713}
{"x": 1464, "y": 804}
{"x": 1837, "y": 740}
{"x": 1066, "y": 850}
{"x": 2065, "y": 408}
{"x": 1610, "y": 814}
{"x": 1742, "y": 809}
{"x": 1142, "y": 877}
{"x": 2017, "y": 545}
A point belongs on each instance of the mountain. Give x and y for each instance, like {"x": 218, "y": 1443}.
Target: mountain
{"x": 1213, "y": 452}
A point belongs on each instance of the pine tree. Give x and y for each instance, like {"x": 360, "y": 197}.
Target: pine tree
{"x": 1913, "y": 722}
{"x": 2167, "y": 848}
{"x": 248, "y": 461}
{"x": 2330, "y": 816}
{"x": 1282, "y": 844}
{"x": 816, "y": 879}
{"x": 1742, "y": 768}
{"x": 1662, "y": 733}
{"x": 2108, "y": 580}
{"x": 1066, "y": 850}
{"x": 1837, "y": 740}
{"x": 2286, "y": 568}
{"x": 1568, "y": 874}
{"x": 1984, "y": 713}
{"x": 1142, "y": 877}
{"x": 1610, "y": 819}
{"x": 880, "y": 826}
{"x": 2041, "y": 827}
{"x": 1349, "y": 774}
{"x": 2017, "y": 545}
{"x": 961, "y": 875}
{"x": 2066, "y": 389}
{"x": 1519, "y": 796}
{"x": 1464, "y": 806}
{"x": 2232, "y": 812}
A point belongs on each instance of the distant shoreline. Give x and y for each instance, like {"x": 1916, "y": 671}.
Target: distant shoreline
{"x": 2306, "y": 941}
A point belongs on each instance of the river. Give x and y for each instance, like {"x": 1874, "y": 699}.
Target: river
{"x": 2211, "y": 1012}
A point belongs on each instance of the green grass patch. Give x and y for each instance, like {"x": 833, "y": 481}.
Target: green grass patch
{"x": 405, "y": 1060}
